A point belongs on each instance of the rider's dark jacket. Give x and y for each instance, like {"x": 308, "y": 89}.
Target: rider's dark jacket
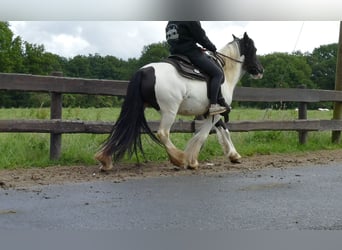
{"x": 182, "y": 37}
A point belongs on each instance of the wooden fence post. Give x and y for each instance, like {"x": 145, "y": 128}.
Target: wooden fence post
{"x": 302, "y": 115}
{"x": 336, "y": 135}
{"x": 56, "y": 113}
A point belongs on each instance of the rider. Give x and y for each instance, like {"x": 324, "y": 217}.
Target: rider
{"x": 183, "y": 36}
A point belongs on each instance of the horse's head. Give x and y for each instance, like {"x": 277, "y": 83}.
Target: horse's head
{"x": 251, "y": 63}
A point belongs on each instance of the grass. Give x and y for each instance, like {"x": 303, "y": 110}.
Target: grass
{"x": 32, "y": 150}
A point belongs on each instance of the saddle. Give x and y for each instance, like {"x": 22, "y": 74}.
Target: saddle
{"x": 186, "y": 68}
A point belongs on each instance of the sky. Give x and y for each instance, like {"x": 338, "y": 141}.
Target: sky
{"x": 126, "y": 39}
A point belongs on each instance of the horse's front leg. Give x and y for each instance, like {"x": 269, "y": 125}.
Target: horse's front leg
{"x": 195, "y": 144}
{"x": 224, "y": 139}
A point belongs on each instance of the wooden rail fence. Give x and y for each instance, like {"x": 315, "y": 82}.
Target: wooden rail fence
{"x": 57, "y": 85}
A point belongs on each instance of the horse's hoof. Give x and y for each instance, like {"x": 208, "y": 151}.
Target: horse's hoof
{"x": 105, "y": 169}
{"x": 236, "y": 161}
{"x": 177, "y": 163}
{"x": 176, "y": 168}
{"x": 193, "y": 167}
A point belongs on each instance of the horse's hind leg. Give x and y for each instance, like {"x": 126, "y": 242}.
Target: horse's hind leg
{"x": 176, "y": 156}
{"x": 105, "y": 160}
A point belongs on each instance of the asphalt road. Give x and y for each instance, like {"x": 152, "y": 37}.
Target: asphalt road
{"x": 292, "y": 198}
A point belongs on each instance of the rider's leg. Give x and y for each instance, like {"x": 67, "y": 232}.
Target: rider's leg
{"x": 206, "y": 65}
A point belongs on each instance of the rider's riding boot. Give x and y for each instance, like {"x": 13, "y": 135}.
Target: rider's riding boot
{"x": 216, "y": 109}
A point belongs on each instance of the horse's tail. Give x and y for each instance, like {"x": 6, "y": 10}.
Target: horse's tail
{"x": 126, "y": 132}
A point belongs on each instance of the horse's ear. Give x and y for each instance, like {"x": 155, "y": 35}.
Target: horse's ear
{"x": 245, "y": 36}
{"x": 234, "y": 37}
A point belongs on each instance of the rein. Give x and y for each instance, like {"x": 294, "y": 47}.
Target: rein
{"x": 231, "y": 58}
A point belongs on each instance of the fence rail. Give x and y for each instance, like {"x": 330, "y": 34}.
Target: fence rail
{"x": 57, "y": 85}
{"x": 70, "y": 85}
{"x": 71, "y": 126}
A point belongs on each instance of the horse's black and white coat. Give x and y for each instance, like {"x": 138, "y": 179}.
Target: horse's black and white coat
{"x": 160, "y": 86}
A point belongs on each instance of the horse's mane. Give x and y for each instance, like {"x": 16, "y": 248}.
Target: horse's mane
{"x": 232, "y": 50}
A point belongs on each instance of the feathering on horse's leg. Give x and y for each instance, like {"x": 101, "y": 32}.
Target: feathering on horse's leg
{"x": 227, "y": 145}
{"x": 176, "y": 156}
{"x": 104, "y": 159}
{"x": 195, "y": 144}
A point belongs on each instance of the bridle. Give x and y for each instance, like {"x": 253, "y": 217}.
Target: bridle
{"x": 247, "y": 64}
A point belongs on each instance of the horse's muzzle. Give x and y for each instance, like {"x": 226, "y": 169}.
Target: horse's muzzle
{"x": 257, "y": 76}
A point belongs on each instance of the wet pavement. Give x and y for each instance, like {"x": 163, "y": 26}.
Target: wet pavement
{"x": 293, "y": 198}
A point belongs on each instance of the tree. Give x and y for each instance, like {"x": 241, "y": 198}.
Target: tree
{"x": 154, "y": 53}
{"x": 131, "y": 66}
{"x": 34, "y": 59}
{"x": 323, "y": 64}
{"x": 282, "y": 70}
{"x": 16, "y": 53}
{"x": 79, "y": 66}
{"x": 10, "y": 50}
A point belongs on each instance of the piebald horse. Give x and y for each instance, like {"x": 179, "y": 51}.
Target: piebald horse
{"x": 159, "y": 85}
